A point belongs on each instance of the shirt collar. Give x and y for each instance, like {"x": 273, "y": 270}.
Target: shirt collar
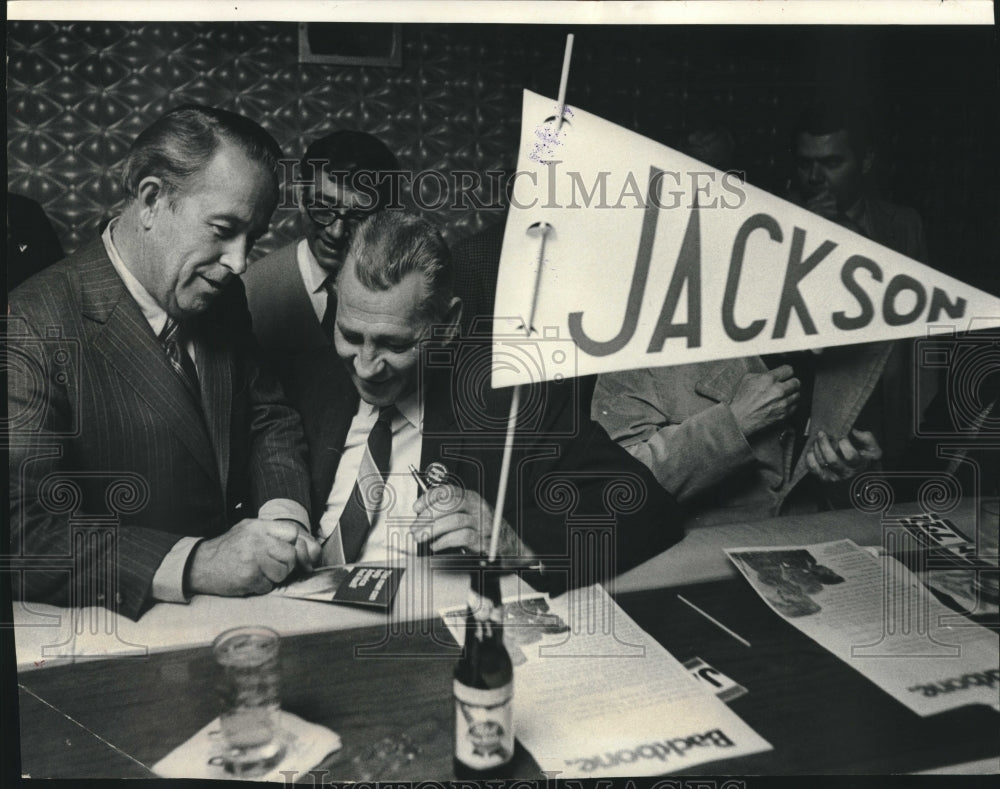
{"x": 154, "y": 314}
{"x": 312, "y": 273}
{"x": 411, "y": 407}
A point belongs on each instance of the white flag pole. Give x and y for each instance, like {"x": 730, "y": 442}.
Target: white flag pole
{"x": 508, "y": 448}
{"x": 564, "y": 81}
{"x": 515, "y": 400}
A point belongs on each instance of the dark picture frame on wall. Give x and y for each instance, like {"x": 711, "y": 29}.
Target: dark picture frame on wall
{"x": 351, "y": 44}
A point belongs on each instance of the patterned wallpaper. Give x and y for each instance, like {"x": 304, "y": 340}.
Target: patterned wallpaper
{"x": 78, "y": 93}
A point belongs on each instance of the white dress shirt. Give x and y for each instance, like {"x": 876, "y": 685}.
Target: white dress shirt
{"x": 168, "y": 581}
{"x": 390, "y": 532}
{"x": 313, "y": 277}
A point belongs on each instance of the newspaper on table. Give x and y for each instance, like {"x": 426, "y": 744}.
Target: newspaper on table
{"x": 953, "y": 561}
{"x": 595, "y": 695}
{"x": 876, "y": 616}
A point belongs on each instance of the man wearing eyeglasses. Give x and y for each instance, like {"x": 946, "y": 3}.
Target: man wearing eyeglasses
{"x": 290, "y": 291}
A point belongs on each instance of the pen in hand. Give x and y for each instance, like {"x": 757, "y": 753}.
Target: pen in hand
{"x": 419, "y": 480}
{"x": 423, "y": 548}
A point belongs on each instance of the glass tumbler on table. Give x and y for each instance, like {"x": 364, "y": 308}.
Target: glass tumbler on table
{"x": 249, "y": 691}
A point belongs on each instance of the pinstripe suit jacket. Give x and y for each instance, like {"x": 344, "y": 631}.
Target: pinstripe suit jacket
{"x": 112, "y": 461}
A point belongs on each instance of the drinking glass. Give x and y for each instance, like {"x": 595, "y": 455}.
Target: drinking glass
{"x": 249, "y": 691}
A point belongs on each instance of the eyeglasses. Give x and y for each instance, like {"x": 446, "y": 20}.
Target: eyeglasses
{"x": 325, "y": 215}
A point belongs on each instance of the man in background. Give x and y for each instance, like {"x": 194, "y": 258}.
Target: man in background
{"x": 750, "y": 438}
{"x": 834, "y": 161}
{"x": 137, "y": 402}
{"x": 290, "y": 291}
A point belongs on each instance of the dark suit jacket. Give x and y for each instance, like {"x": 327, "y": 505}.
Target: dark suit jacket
{"x": 477, "y": 263}
{"x": 284, "y": 322}
{"x": 564, "y": 471}
{"x": 895, "y": 226}
{"x": 105, "y": 433}
{"x": 32, "y": 244}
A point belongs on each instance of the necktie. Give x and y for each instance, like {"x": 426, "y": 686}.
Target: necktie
{"x": 330, "y": 314}
{"x": 173, "y": 346}
{"x": 354, "y": 523}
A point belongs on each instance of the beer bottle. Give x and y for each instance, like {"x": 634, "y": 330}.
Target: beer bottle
{"x": 484, "y": 685}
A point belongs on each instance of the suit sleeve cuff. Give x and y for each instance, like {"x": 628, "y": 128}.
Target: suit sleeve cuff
{"x": 168, "y": 582}
{"x": 285, "y": 510}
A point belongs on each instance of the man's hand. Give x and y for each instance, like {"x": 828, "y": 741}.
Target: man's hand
{"x": 307, "y": 549}
{"x": 250, "y": 558}
{"x": 451, "y": 517}
{"x": 833, "y": 462}
{"x": 823, "y": 203}
{"x": 762, "y": 399}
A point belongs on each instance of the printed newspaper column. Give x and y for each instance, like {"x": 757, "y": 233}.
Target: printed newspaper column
{"x": 832, "y": 592}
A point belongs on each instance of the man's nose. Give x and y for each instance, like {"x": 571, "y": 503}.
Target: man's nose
{"x": 338, "y": 229}
{"x": 234, "y": 257}
{"x": 368, "y": 363}
{"x": 815, "y": 173}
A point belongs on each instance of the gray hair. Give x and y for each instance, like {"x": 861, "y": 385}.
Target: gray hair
{"x": 180, "y": 144}
{"x": 391, "y": 244}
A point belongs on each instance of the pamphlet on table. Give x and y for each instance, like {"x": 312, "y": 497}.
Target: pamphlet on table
{"x": 878, "y": 617}
{"x": 368, "y": 586}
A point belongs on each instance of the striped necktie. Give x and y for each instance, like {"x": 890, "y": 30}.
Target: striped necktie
{"x": 173, "y": 345}
{"x": 354, "y": 523}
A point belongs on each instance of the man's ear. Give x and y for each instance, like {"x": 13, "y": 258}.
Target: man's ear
{"x": 152, "y": 198}
{"x": 452, "y": 319}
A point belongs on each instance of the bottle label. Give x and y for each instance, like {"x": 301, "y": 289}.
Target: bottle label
{"x": 484, "y": 726}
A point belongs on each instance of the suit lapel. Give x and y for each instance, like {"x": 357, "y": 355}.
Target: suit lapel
{"x": 329, "y": 403}
{"x": 472, "y": 457}
{"x": 216, "y": 379}
{"x": 440, "y": 426}
{"x": 126, "y": 341}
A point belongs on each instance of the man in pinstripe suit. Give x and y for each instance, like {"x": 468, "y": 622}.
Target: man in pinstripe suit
{"x": 151, "y": 456}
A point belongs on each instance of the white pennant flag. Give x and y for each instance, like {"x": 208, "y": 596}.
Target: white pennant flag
{"x": 645, "y": 257}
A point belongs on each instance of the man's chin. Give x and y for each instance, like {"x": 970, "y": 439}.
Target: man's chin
{"x": 328, "y": 260}
{"x": 376, "y": 395}
{"x": 188, "y": 309}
